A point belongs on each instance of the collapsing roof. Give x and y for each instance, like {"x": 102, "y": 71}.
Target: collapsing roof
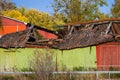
{"x": 29, "y": 36}
{"x": 88, "y": 34}
{"x": 72, "y": 36}
{"x": 17, "y": 39}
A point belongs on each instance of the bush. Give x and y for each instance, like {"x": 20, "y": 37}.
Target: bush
{"x": 7, "y": 78}
{"x": 78, "y": 68}
{"x": 26, "y": 69}
{"x": 43, "y": 64}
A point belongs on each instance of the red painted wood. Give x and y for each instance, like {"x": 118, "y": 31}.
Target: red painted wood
{"x": 97, "y": 56}
{"x": 47, "y": 35}
{"x": 11, "y": 29}
{"x": 11, "y": 25}
{"x": 108, "y": 55}
{"x": 11, "y": 22}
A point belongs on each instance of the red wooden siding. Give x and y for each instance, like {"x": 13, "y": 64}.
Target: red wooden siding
{"x": 108, "y": 55}
{"x": 47, "y": 35}
{"x": 10, "y": 25}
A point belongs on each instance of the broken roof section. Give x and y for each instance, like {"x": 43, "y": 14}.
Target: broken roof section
{"x": 30, "y": 34}
{"x": 17, "y": 39}
{"x": 72, "y": 36}
{"x": 89, "y": 33}
{"x": 27, "y": 37}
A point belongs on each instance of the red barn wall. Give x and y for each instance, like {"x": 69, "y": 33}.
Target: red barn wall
{"x": 47, "y": 35}
{"x": 108, "y": 55}
{"x": 10, "y": 25}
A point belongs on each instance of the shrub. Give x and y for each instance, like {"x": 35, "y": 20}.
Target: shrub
{"x": 43, "y": 64}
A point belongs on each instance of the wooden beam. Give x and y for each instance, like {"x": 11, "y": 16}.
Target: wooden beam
{"x": 108, "y": 28}
{"x": 68, "y": 27}
{"x": 71, "y": 30}
{"x": 87, "y": 25}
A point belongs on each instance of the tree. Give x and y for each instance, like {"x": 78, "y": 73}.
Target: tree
{"x": 35, "y": 17}
{"x": 22, "y": 10}
{"x": 58, "y": 20}
{"x": 117, "y": 1}
{"x": 39, "y": 18}
{"x": 116, "y": 9}
{"x": 103, "y": 16}
{"x": 6, "y": 5}
{"x": 15, "y": 14}
{"x": 78, "y": 10}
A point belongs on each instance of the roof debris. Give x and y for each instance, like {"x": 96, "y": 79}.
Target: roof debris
{"x": 30, "y": 36}
{"x": 89, "y": 34}
{"x": 72, "y": 36}
{"x": 17, "y": 39}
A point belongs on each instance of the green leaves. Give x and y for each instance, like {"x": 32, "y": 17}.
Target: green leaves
{"x": 78, "y": 10}
{"x": 116, "y": 10}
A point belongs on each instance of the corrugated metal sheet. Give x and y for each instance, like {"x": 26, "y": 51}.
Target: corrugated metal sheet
{"x": 108, "y": 56}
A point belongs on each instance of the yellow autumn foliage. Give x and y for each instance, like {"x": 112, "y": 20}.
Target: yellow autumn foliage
{"x": 15, "y": 14}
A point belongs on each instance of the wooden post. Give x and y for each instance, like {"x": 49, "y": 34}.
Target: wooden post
{"x": 97, "y": 75}
{"x": 108, "y": 75}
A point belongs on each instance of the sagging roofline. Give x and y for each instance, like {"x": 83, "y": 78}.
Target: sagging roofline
{"x": 14, "y": 19}
{"x": 29, "y": 24}
{"x": 93, "y": 22}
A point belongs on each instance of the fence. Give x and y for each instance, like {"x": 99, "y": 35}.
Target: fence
{"x": 96, "y": 73}
{"x": 77, "y": 75}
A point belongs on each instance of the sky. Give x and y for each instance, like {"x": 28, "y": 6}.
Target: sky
{"x": 45, "y": 5}
{"x": 106, "y": 9}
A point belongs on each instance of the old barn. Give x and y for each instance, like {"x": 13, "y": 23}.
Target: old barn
{"x": 91, "y": 45}
{"x": 103, "y": 34}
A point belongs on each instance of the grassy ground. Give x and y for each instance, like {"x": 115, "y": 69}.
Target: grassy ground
{"x": 59, "y": 77}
